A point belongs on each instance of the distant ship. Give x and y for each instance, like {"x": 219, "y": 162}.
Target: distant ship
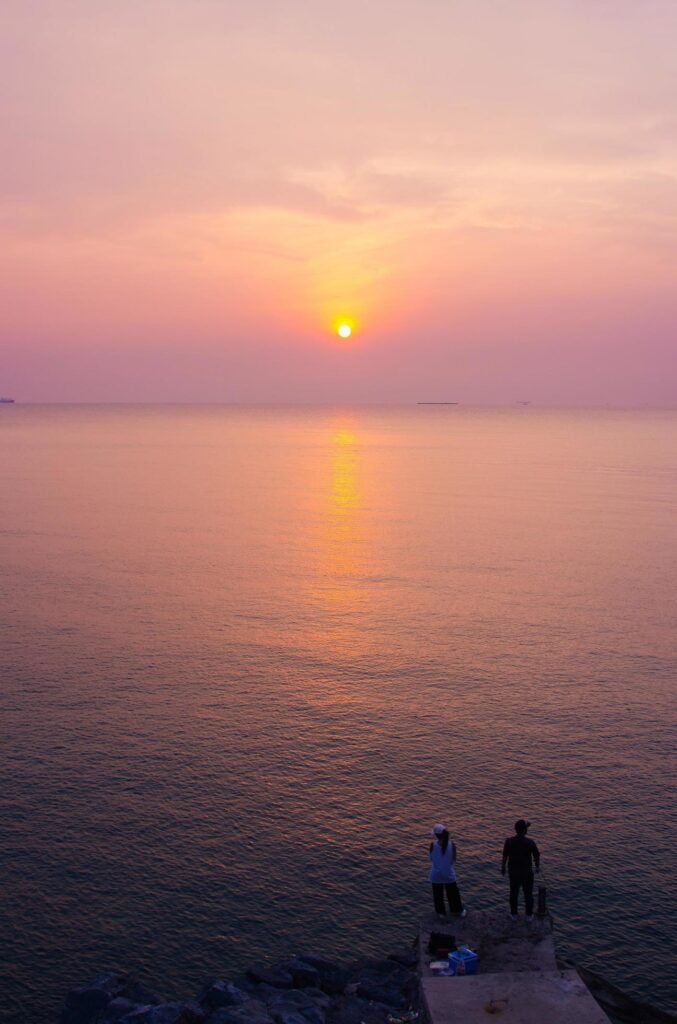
{"x": 523, "y": 403}
{"x": 6, "y": 401}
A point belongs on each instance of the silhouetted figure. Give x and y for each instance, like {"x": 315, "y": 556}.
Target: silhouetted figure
{"x": 442, "y": 874}
{"x": 519, "y": 853}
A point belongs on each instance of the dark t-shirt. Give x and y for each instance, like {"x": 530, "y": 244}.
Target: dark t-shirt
{"x": 519, "y": 851}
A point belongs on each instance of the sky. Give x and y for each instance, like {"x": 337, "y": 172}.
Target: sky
{"x": 194, "y": 193}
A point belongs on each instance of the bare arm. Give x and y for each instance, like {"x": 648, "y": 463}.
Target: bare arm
{"x": 505, "y": 857}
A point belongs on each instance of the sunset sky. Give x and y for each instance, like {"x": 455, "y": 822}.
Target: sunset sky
{"x": 195, "y": 193}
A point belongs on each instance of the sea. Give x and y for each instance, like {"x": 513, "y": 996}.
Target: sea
{"x": 250, "y": 655}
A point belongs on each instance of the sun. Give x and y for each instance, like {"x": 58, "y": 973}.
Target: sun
{"x": 345, "y": 330}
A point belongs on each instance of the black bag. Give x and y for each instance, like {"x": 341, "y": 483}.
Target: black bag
{"x": 441, "y": 945}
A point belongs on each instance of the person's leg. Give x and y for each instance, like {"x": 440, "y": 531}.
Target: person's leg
{"x": 528, "y": 886}
{"x": 454, "y": 898}
{"x": 438, "y": 898}
{"x": 514, "y": 893}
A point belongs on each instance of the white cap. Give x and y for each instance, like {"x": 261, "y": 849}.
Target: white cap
{"x": 438, "y": 829}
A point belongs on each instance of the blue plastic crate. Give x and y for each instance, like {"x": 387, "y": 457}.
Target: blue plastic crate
{"x": 463, "y": 961}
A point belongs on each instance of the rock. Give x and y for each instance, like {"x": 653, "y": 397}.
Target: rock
{"x": 119, "y": 1008}
{"x": 333, "y": 978}
{"x": 177, "y": 1013}
{"x": 251, "y": 1012}
{"x": 386, "y": 982}
{"x": 86, "y": 1005}
{"x": 263, "y": 992}
{"x": 303, "y": 975}
{"x": 136, "y": 992}
{"x": 305, "y": 997}
{"x": 276, "y": 977}
{"x": 319, "y": 997}
{"x": 353, "y": 1010}
{"x": 388, "y": 995}
{"x": 386, "y": 969}
{"x": 375, "y": 1014}
{"x": 296, "y": 1003}
{"x": 288, "y": 1017}
{"x": 226, "y": 1016}
{"x": 138, "y": 1015}
{"x": 346, "y": 1010}
{"x": 407, "y": 958}
{"x": 313, "y": 1014}
{"x": 166, "y": 1013}
{"x": 217, "y": 994}
{"x": 245, "y": 984}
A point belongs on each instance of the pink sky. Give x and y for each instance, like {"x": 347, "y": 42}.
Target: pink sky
{"x": 193, "y": 191}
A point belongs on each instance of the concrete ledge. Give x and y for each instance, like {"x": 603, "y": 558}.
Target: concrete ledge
{"x": 511, "y": 997}
{"x": 501, "y": 944}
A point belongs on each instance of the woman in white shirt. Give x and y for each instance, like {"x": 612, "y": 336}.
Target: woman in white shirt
{"x": 442, "y": 874}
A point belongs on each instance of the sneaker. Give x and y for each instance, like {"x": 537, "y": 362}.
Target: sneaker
{"x": 464, "y": 913}
{"x": 530, "y": 918}
{"x": 513, "y": 917}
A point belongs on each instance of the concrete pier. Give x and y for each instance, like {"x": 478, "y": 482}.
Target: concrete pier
{"x": 518, "y": 980}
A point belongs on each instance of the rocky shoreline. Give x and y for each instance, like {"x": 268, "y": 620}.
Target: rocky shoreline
{"x": 308, "y": 989}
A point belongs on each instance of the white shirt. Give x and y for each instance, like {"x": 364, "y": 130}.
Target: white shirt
{"x": 442, "y": 864}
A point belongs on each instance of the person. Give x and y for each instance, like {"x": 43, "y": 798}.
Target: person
{"x": 442, "y": 873}
{"x": 518, "y": 853}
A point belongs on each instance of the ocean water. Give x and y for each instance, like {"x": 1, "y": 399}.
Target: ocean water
{"x": 250, "y": 655}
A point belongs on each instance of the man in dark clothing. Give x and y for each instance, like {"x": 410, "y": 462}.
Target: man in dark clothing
{"x": 518, "y": 854}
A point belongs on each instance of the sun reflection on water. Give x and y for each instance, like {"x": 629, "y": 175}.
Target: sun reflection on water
{"x": 342, "y": 540}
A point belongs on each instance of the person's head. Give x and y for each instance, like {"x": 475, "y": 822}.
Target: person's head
{"x": 441, "y": 834}
{"x": 521, "y": 827}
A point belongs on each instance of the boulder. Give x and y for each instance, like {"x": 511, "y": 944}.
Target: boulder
{"x": 251, "y": 1012}
{"x": 296, "y": 1003}
{"x": 262, "y": 992}
{"x": 386, "y": 969}
{"x": 225, "y": 1016}
{"x": 375, "y": 1013}
{"x": 406, "y": 958}
{"x": 138, "y": 993}
{"x": 303, "y": 975}
{"x": 346, "y": 1009}
{"x": 320, "y": 998}
{"x": 303, "y": 997}
{"x": 246, "y": 984}
{"x": 276, "y": 977}
{"x": 313, "y": 1014}
{"x": 120, "y": 1007}
{"x": 288, "y": 1017}
{"x": 333, "y": 977}
{"x": 86, "y": 1005}
{"x": 353, "y": 1010}
{"x": 177, "y": 1013}
{"x": 376, "y": 990}
{"x": 217, "y": 994}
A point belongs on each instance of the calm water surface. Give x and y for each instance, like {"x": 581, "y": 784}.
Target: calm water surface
{"x": 250, "y": 655}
